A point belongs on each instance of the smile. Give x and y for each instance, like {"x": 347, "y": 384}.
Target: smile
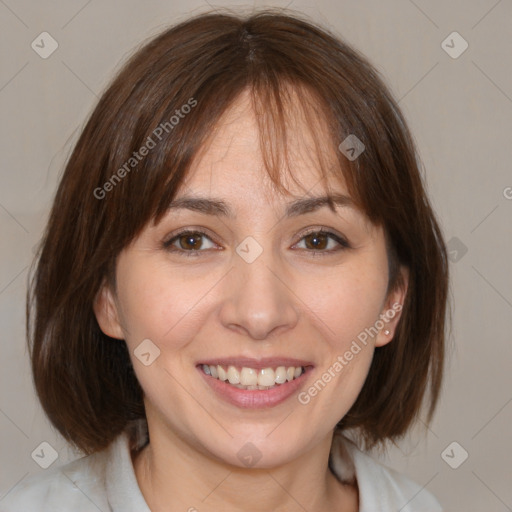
{"x": 252, "y": 378}
{"x": 255, "y": 384}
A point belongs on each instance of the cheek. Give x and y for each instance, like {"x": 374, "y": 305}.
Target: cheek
{"x": 169, "y": 312}
{"x": 348, "y": 303}
{"x": 158, "y": 306}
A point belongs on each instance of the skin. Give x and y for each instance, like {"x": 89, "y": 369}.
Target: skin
{"x": 294, "y": 300}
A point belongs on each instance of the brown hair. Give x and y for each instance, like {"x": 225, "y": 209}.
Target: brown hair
{"x": 112, "y": 188}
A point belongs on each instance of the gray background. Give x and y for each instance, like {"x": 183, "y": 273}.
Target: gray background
{"x": 460, "y": 112}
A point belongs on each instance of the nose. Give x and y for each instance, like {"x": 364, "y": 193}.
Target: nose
{"x": 259, "y": 298}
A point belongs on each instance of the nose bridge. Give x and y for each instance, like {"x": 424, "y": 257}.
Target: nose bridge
{"x": 258, "y": 299}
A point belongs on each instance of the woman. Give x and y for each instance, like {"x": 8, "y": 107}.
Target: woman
{"x": 242, "y": 284}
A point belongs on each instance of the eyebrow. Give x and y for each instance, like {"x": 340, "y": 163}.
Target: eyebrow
{"x": 298, "y": 207}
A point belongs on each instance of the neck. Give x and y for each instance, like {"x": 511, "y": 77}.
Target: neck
{"x": 173, "y": 476}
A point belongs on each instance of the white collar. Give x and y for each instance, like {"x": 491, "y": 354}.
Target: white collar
{"x": 380, "y": 488}
{"x": 107, "y": 480}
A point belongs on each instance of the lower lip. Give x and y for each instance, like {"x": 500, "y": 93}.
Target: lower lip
{"x": 254, "y": 398}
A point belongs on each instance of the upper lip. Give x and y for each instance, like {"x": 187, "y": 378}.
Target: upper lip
{"x": 257, "y": 364}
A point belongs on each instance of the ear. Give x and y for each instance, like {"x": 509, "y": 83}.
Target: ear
{"x": 107, "y": 314}
{"x": 392, "y": 311}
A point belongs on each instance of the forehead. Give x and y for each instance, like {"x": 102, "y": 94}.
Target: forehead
{"x": 245, "y": 143}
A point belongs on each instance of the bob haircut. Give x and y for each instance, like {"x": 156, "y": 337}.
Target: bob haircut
{"x": 167, "y": 99}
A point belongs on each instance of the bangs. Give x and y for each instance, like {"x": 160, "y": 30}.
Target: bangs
{"x": 285, "y": 92}
{"x": 280, "y": 107}
{"x": 290, "y": 118}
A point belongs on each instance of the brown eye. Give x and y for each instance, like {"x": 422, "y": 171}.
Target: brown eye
{"x": 321, "y": 242}
{"x": 316, "y": 241}
{"x": 189, "y": 243}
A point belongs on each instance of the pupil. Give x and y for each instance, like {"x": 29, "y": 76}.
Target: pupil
{"x": 318, "y": 241}
{"x": 191, "y": 242}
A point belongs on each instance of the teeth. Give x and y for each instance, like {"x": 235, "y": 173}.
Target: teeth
{"x": 248, "y": 377}
{"x": 266, "y": 377}
{"x": 252, "y": 379}
{"x": 281, "y": 375}
{"x": 221, "y": 373}
{"x": 233, "y": 375}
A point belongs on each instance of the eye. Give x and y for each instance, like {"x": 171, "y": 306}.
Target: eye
{"x": 192, "y": 242}
{"x": 323, "y": 241}
{"x": 189, "y": 243}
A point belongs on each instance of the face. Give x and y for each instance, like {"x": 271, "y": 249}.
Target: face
{"x": 255, "y": 322}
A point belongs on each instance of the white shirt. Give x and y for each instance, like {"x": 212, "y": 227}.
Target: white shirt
{"x": 105, "y": 482}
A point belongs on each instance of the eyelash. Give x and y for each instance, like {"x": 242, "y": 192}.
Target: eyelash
{"x": 343, "y": 243}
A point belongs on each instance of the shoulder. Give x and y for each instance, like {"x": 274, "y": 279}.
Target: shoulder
{"x": 102, "y": 481}
{"x": 381, "y": 488}
{"x": 77, "y": 486}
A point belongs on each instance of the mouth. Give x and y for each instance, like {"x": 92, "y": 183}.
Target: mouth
{"x": 255, "y": 383}
{"x": 253, "y": 378}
